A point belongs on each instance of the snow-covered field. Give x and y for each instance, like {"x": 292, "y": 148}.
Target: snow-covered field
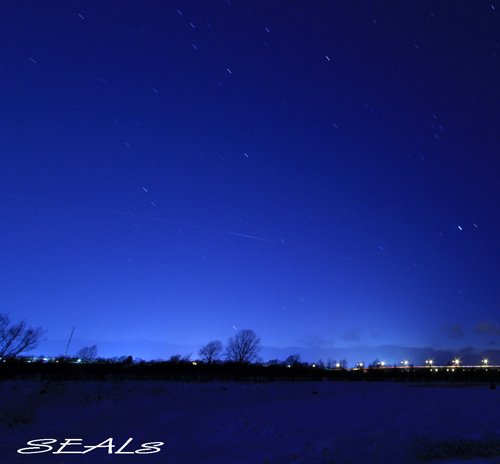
{"x": 232, "y": 423}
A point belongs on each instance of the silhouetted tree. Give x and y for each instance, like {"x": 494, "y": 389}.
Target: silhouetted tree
{"x": 87, "y": 353}
{"x": 179, "y": 358}
{"x": 243, "y": 347}
{"x": 127, "y": 360}
{"x": 274, "y": 362}
{"x": 211, "y": 352}
{"x": 342, "y": 364}
{"x": 293, "y": 360}
{"x": 18, "y": 337}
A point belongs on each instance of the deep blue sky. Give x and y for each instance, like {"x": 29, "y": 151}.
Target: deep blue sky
{"x": 325, "y": 173}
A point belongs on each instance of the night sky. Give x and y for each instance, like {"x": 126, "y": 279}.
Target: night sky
{"x": 324, "y": 173}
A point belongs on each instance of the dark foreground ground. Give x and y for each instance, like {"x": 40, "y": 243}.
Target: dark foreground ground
{"x": 231, "y": 422}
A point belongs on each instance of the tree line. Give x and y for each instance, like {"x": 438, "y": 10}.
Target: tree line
{"x": 19, "y": 337}
{"x": 242, "y": 348}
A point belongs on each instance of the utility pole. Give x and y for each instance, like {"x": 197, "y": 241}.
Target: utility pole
{"x": 69, "y": 341}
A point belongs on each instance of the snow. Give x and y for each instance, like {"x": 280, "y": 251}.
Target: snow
{"x": 278, "y": 423}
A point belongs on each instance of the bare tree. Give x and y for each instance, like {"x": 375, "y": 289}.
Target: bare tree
{"x": 87, "y": 353}
{"x": 243, "y": 347}
{"x": 18, "y": 337}
{"x": 179, "y": 358}
{"x": 293, "y": 360}
{"x": 211, "y": 351}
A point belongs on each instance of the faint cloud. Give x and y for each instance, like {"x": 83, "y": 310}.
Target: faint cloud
{"x": 467, "y": 350}
{"x": 452, "y": 330}
{"x": 488, "y": 328}
{"x": 315, "y": 341}
{"x": 352, "y": 335}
